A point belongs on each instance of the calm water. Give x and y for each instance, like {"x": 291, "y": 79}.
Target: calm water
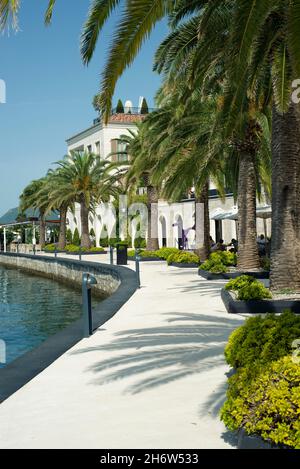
{"x": 32, "y": 309}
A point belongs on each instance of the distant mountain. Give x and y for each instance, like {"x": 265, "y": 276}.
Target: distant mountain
{"x": 11, "y": 216}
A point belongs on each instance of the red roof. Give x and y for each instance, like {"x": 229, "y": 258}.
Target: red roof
{"x": 130, "y": 118}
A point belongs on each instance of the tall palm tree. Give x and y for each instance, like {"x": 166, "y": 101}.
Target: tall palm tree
{"x": 83, "y": 178}
{"x": 55, "y": 190}
{"x": 184, "y": 53}
{"x": 264, "y": 40}
{"x": 35, "y": 196}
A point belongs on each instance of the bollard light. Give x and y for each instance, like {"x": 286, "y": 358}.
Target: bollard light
{"x": 88, "y": 281}
{"x": 137, "y": 267}
{"x": 111, "y": 252}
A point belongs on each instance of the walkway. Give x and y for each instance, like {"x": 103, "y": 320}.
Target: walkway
{"x": 152, "y": 377}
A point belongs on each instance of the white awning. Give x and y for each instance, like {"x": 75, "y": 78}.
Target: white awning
{"x": 264, "y": 211}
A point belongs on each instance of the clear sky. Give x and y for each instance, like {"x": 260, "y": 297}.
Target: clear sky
{"x": 49, "y": 91}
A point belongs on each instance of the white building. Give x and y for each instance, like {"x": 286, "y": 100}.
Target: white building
{"x": 102, "y": 139}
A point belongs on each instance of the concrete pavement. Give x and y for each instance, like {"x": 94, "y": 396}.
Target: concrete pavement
{"x": 152, "y": 377}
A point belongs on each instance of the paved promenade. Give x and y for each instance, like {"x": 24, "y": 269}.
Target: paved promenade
{"x": 151, "y": 377}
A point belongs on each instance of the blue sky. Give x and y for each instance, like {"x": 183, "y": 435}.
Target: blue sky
{"x": 49, "y": 91}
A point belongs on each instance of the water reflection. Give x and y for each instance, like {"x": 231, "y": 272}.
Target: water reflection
{"x": 33, "y": 308}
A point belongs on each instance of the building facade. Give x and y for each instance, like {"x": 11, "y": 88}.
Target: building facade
{"x": 104, "y": 139}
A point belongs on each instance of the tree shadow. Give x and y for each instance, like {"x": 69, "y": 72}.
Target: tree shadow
{"x": 188, "y": 344}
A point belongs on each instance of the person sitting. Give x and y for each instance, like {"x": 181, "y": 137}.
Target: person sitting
{"x": 221, "y": 246}
{"x": 261, "y": 243}
{"x": 233, "y": 246}
{"x": 211, "y": 242}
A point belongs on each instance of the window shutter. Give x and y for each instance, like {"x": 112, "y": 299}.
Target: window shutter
{"x": 114, "y": 144}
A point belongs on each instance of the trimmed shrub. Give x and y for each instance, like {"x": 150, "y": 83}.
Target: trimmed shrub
{"x": 140, "y": 243}
{"x": 262, "y": 339}
{"x": 112, "y": 242}
{"x": 248, "y": 288}
{"x": 120, "y": 107}
{"x": 267, "y": 405}
{"x": 144, "y": 107}
{"x": 95, "y": 249}
{"x": 50, "y": 247}
{"x": 103, "y": 237}
{"x": 183, "y": 257}
{"x": 164, "y": 253}
{"x": 74, "y": 248}
{"x": 69, "y": 236}
{"x": 143, "y": 253}
{"x": 219, "y": 262}
{"x": 76, "y": 238}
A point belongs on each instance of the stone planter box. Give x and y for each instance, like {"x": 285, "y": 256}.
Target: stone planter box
{"x": 234, "y": 306}
{"x": 230, "y": 275}
{"x": 184, "y": 266}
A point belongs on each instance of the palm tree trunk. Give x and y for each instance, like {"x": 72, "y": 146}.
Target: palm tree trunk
{"x": 84, "y": 217}
{"x": 152, "y": 201}
{"x": 62, "y": 229}
{"x": 248, "y": 258}
{"x": 42, "y": 230}
{"x": 202, "y": 217}
{"x": 285, "y": 243}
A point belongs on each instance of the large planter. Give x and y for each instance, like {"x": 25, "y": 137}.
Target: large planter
{"x": 122, "y": 256}
{"x": 234, "y": 306}
{"x": 184, "y": 266}
{"x": 231, "y": 275}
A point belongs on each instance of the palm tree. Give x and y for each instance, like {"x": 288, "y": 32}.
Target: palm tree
{"x": 183, "y": 54}
{"x": 55, "y": 190}
{"x": 35, "y": 196}
{"x": 8, "y": 13}
{"x": 83, "y": 178}
{"x": 264, "y": 42}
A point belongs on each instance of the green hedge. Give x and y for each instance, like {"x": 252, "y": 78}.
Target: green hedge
{"x": 50, "y": 247}
{"x": 262, "y": 339}
{"x": 263, "y": 395}
{"x": 162, "y": 253}
{"x": 248, "y": 288}
{"x": 219, "y": 262}
{"x": 143, "y": 253}
{"x": 183, "y": 257}
{"x": 267, "y": 405}
{"x": 72, "y": 248}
